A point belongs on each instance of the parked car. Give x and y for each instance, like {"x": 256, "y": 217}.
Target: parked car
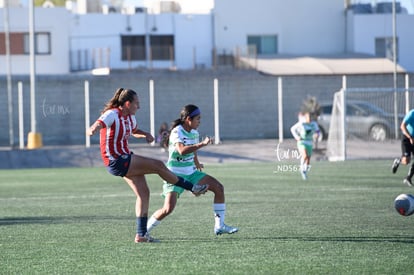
{"x": 363, "y": 119}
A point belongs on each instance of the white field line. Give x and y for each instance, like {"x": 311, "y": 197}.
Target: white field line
{"x": 91, "y": 196}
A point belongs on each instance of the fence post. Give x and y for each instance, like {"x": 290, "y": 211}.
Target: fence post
{"x": 21, "y": 120}
{"x": 87, "y": 114}
{"x": 343, "y": 101}
{"x": 214, "y": 58}
{"x": 216, "y": 113}
{"x": 152, "y": 109}
{"x": 280, "y": 107}
{"x": 407, "y": 93}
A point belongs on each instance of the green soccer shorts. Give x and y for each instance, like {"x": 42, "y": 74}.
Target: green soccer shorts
{"x": 307, "y": 147}
{"x": 194, "y": 178}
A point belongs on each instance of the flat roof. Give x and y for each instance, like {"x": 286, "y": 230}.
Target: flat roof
{"x": 322, "y": 65}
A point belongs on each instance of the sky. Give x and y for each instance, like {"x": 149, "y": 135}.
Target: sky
{"x": 197, "y": 5}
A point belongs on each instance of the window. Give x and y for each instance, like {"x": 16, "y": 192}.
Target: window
{"x": 133, "y": 47}
{"x": 20, "y": 45}
{"x": 162, "y": 47}
{"x": 384, "y": 47}
{"x": 41, "y": 43}
{"x": 265, "y": 44}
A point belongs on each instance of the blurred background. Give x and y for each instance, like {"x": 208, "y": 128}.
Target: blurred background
{"x": 249, "y": 66}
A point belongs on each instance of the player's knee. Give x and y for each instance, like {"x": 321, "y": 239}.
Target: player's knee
{"x": 216, "y": 188}
{"x": 158, "y": 162}
{"x": 167, "y": 210}
{"x": 405, "y": 160}
{"x": 221, "y": 188}
{"x": 158, "y": 165}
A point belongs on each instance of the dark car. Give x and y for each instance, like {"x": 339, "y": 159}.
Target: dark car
{"x": 363, "y": 119}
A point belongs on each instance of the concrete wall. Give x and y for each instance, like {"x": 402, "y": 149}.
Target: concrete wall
{"x": 247, "y": 100}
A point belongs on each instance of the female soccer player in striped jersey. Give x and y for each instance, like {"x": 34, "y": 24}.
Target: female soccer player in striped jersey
{"x": 182, "y": 147}
{"x": 116, "y": 124}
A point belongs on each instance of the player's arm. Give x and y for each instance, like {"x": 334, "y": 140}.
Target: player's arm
{"x": 187, "y": 149}
{"x": 405, "y": 132}
{"x": 317, "y": 131}
{"x": 198, "y": 165}
{"x": 294, "y": 131}
{"x": 95, "y": 128}
{"x": 138, "y": 133}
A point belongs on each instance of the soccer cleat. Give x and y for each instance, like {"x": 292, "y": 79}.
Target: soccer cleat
{"x": 199, "y": 189}
{"x": 395, "y": 165}
{"x": 225, "y": 229}
{"x": 304, "y": 175}
{"x": 407, "y": 181}
{"x": 145, "y": 239}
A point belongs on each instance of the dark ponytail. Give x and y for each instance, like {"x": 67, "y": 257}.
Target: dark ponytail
{"x": 188, "y": 110}
{"x": 120, "y": 97}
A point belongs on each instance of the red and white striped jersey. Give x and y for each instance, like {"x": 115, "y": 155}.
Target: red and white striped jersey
{"x": 115, "y": 134}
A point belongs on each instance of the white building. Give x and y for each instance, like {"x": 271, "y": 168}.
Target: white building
{"x": 141, "y": 40}
{"x": 166, "y": 38}
{"x": 51, "y": 41}
{"x": 281, "y": 27}
{"x": 339, "y": 36}
{"x": 372, "y": 34}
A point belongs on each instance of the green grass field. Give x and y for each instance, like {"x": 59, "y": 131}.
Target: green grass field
{"x": 81, "y": 221}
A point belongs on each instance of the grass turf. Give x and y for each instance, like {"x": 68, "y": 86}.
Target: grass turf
{"x": 81, "y": 221}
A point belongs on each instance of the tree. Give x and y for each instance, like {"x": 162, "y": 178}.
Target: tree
{"x": 57, "y": 3}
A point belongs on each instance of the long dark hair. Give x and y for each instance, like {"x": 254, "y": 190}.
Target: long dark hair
{"x": 189, "y": 110}
{"x": 120, "y": 97}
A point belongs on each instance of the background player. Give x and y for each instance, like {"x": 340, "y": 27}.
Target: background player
{"x": 304, "y": 131}
{"x": 407, "y": 146}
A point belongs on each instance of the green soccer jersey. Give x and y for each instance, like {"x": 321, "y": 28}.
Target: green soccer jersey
{"x": 304, "y": 132}
{"x": 181, "y": 164}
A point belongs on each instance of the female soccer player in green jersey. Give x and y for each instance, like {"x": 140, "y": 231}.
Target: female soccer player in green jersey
{"x": 303, "y": 131}
{"x": 182, "y": 161}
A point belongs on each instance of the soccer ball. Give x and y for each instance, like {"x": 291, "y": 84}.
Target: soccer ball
{"x": 404, "y": 204}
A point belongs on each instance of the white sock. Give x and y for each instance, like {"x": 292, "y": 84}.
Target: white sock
{"x": 152, "y": 222}
{"x": 302, "y": 165}
{"x": 219, "y": 214}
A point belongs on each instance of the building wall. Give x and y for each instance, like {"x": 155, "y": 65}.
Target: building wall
{"x": 194, "y": 41}
{"x": 75, "y": 34}
{"x": 365, "y": 28}
{"x": 192, "y": 35}
{"x": 247, "y": 101}
{"x": 55, "y": 22}
{"x": 303, "y": 27}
